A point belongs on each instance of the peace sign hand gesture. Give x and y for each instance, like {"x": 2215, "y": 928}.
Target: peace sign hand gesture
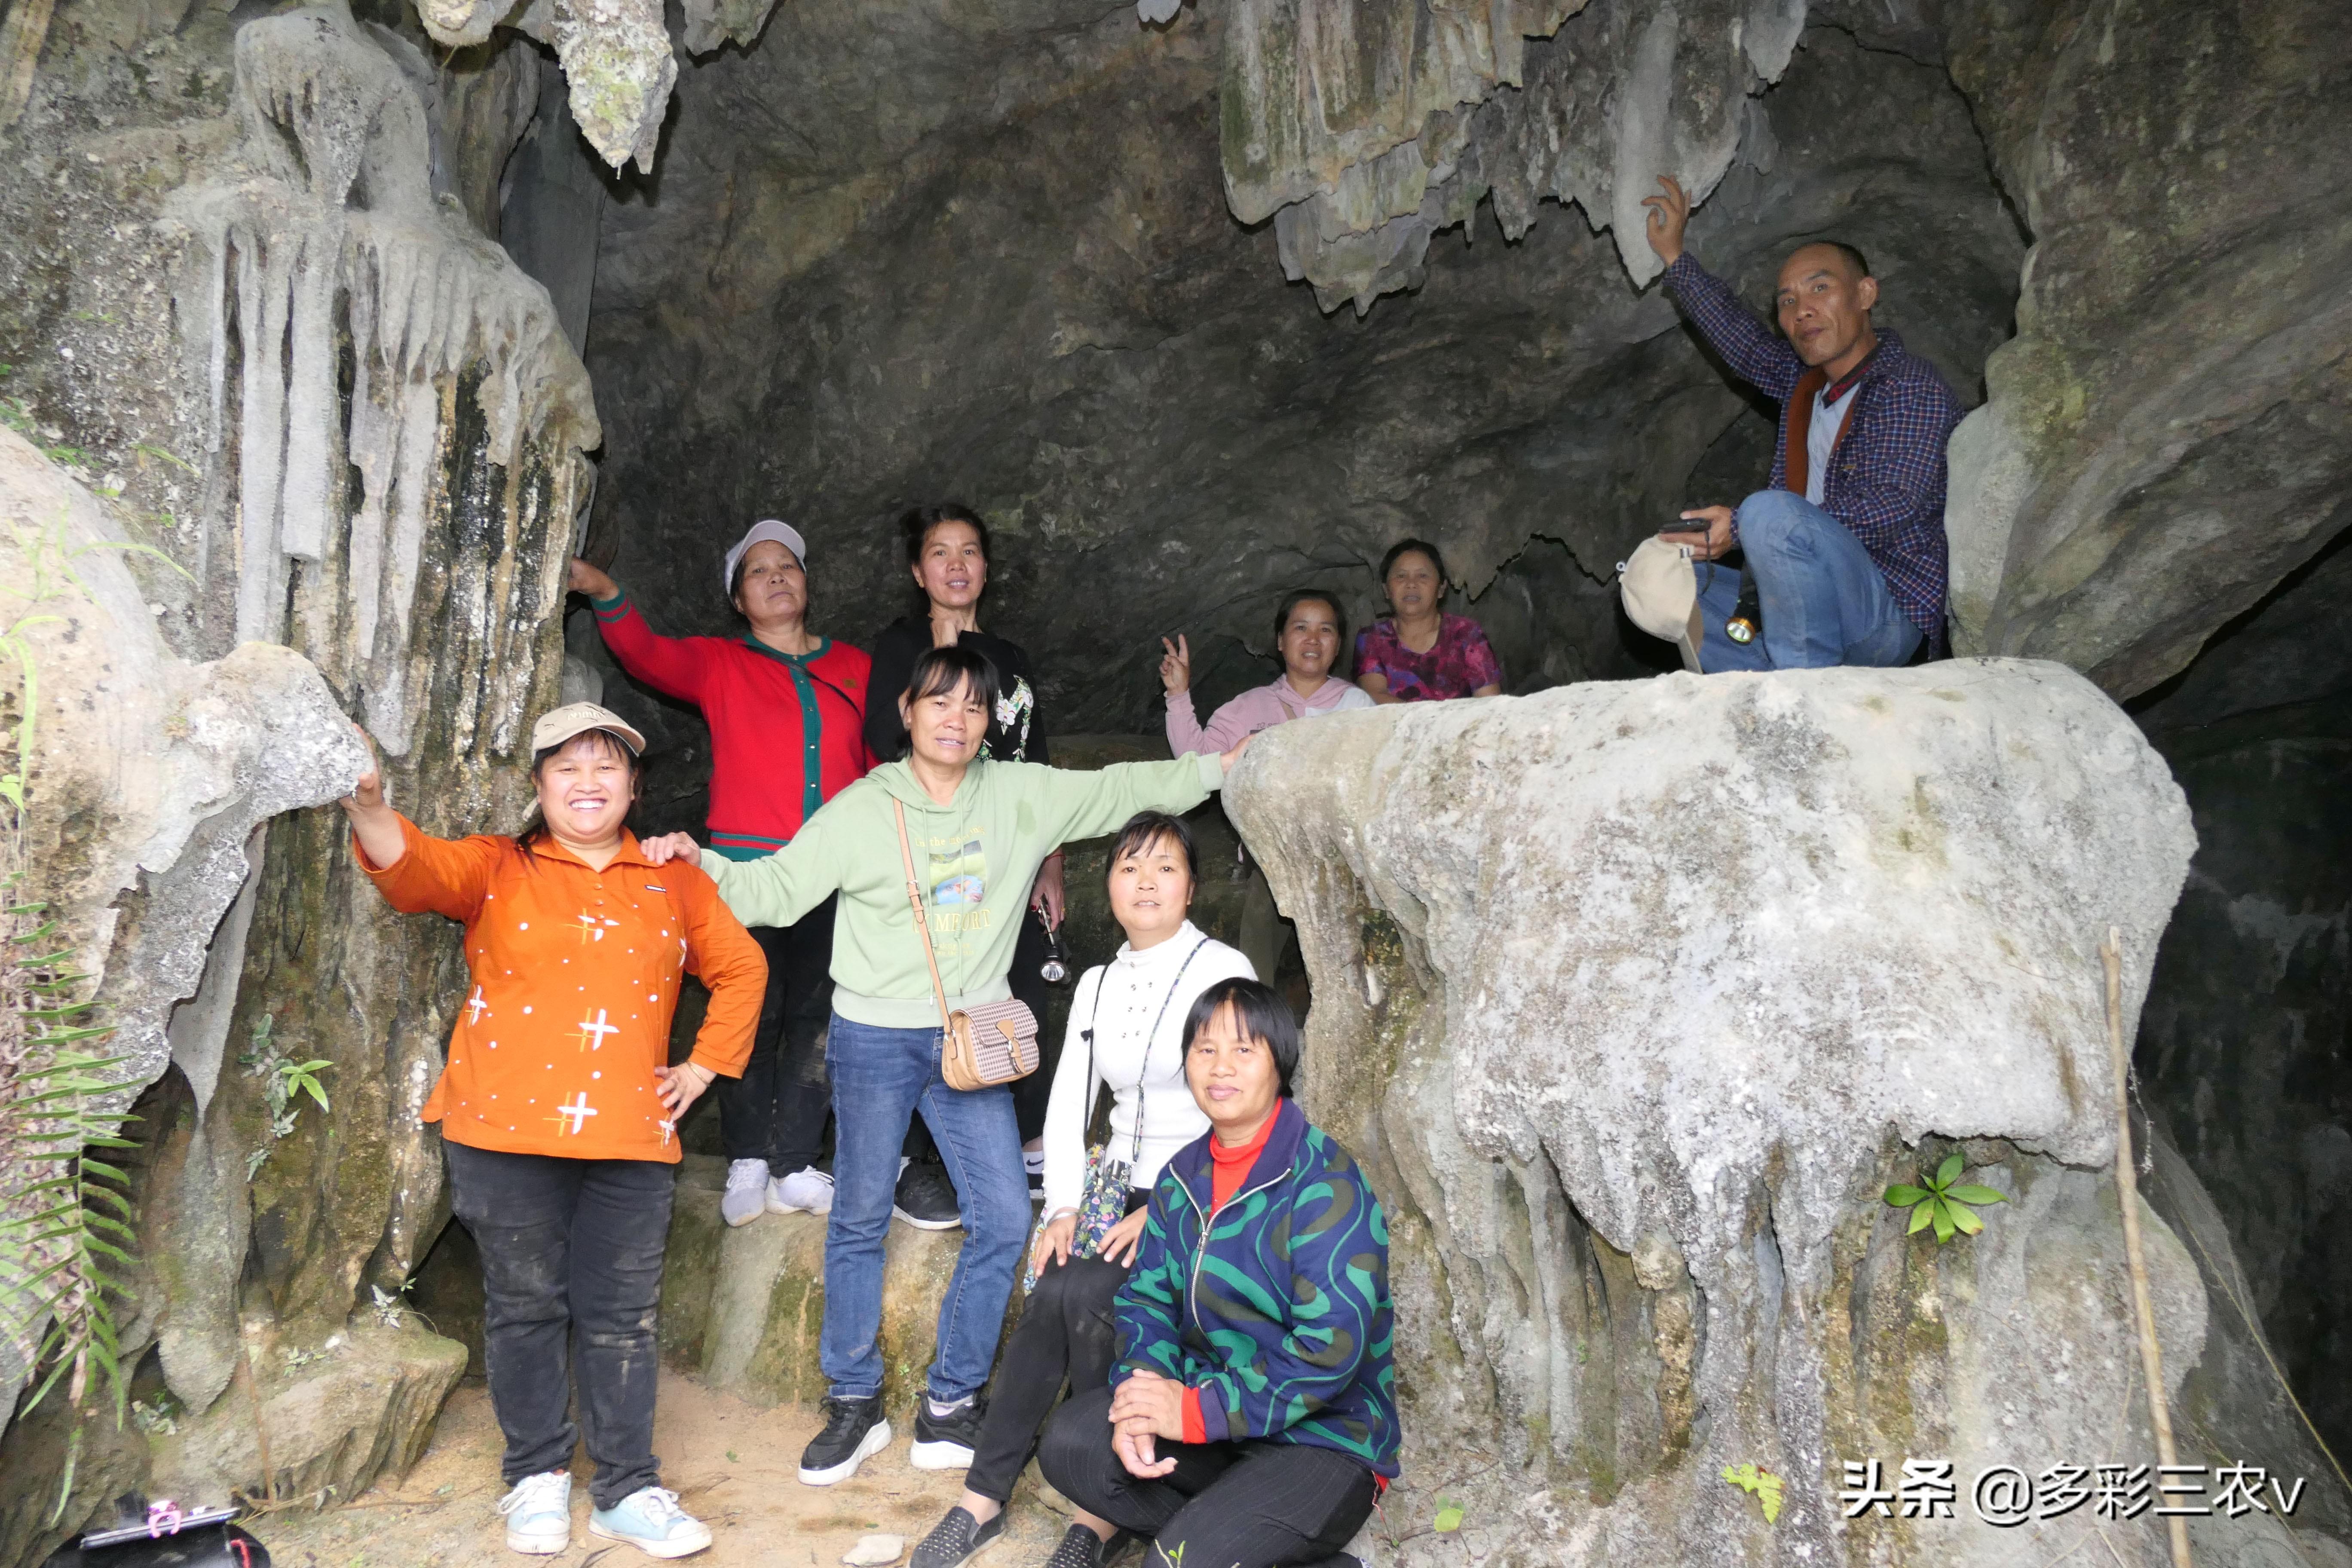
{"x": 1176, "y": 664}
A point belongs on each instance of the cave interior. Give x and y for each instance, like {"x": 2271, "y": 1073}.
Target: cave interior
{"x": 894, "y": 253}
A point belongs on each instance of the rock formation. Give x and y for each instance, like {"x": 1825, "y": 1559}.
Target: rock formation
{"x": 2167, "y": 433}
{"x": 146, "y": 781}
{"x": 339, "y": 419}
{"x": 1636, "y": 997}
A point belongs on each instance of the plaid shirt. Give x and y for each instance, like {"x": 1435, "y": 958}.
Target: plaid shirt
{"x": 1886, "y": 480}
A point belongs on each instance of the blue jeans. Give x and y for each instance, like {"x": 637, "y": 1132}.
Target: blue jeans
{"x": 1824, "y": 599}
{"x": 880, "y": 1079}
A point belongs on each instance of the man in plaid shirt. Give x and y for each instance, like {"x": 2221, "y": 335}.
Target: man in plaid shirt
{"x": 1847, "y": 545}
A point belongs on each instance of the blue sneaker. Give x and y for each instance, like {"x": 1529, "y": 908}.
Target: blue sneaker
{"x": 650, "y": 1519}
{"x": 539, "y": 1514}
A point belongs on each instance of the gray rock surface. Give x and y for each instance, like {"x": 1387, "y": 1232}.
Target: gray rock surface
{"x": 2167, "y": 433}
{"x": 1362, "y": 127}
{"x": 145, "y": 780}
{"x": 1634, "y": 996}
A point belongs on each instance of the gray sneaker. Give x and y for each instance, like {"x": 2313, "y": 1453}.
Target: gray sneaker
{"x": 807, "y": 1190}
{"x": 747, "y": 1192}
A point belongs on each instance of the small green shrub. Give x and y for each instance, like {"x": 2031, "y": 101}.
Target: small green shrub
{"x": 1941, "y": 1204}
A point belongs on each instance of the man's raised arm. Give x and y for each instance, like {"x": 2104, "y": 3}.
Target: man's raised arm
{"x": 1756, "y": 354}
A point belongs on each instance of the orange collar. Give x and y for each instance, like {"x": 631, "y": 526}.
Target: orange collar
{"x": 629, "y": 854}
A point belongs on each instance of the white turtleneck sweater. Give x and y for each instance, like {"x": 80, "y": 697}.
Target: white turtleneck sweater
{"x": 1132, "y": 988}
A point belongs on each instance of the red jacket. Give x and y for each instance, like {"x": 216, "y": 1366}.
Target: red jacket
{"x": 787, "y": 732}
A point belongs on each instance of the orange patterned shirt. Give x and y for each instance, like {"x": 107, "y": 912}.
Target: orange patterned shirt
{"x": 575, "y": 975}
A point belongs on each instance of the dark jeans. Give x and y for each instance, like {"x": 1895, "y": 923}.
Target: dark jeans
{"x": 1067, "y": 1330}
{"x": 776, "y": 1110}
{"x": 1237, "y": 1505}
{"x": 571, "y": 1250}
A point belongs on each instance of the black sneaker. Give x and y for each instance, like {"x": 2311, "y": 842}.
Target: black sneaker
{"x": 946, "y": 1442}
{"x": 1082, "y": 1548}
{"x": 926, "y": 1198}
{"x": 955, "y": 1538}
{"x": 854, "y": 1429}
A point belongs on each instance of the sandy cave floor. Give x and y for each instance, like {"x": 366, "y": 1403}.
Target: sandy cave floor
{"x": 733, "y": 1466}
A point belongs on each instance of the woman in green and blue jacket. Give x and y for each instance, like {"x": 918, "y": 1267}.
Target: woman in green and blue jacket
{"x": 1251, "y": 1420}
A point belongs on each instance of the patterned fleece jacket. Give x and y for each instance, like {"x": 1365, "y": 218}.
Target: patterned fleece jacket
{"x": 1274, "y": 1309}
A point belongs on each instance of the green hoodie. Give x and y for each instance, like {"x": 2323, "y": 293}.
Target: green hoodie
{"x": 974, "y": 860}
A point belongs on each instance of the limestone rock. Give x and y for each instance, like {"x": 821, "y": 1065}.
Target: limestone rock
{"x": 742, "y": 1306}
{"x": 1634, "y": 995}
{"x": 341, "y": 233}
{"x": 2167, "y": 435}
{"x": 175, "y": 764}
{"x": 1364, "y": 128}
{"x": 336, "y": 1416}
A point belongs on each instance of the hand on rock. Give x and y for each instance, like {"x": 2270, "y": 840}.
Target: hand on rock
{"x": 1669, "y": 214}
{"x": 592, "y": 581}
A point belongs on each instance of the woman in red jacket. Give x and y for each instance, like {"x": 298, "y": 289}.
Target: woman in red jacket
{"x": 787, "y": 714}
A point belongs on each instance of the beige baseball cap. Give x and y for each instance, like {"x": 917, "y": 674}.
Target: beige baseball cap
{"x": 558, "y": 725}
{"x": 1659, "y": 589}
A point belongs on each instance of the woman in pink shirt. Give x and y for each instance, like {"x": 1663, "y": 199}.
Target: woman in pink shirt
{"x": 1310, "y": 630}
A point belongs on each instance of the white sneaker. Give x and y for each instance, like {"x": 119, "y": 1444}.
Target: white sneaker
{"x": 807, "y": 1190}
{"x": 539, "y": 1514}
{"x": 747, "y": 1192}
{"x": 650, "y": 1519}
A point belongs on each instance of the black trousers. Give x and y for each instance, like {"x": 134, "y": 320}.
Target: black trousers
{"x": 572, "y": 1256}
{"x": 1066, "y": 1331}
{"x": 776, "y": 1112}
{"x": 1029, "y": 1094}
{"x": 1237, "y": 1505}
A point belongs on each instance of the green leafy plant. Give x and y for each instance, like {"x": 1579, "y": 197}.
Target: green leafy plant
{"x": 1449, "y": 1516}
{"x": 1760, "y": 1484}
{"x": 1941, "y": 1204}
{"x": 295, "y": 1080}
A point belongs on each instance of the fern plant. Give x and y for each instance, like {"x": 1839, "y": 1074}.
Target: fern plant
{"x": 65, "y": 1210}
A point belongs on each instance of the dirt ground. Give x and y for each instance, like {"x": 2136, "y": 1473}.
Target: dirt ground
{"x": 733, "y": 1464}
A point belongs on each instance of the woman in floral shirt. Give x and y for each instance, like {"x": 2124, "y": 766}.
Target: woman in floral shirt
{"x": 1418, "y": 653}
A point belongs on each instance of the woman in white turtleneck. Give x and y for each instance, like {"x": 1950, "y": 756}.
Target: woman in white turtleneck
{"x": 1127, "y": 1027}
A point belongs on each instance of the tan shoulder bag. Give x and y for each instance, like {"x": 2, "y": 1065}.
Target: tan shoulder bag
{"x": 982, "y": 1047}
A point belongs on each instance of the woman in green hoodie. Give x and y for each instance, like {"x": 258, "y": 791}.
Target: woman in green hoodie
{"x": 978, "y": 831}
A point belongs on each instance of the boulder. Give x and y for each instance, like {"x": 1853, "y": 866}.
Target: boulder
{"x": 743, "y": 1307}
{"x": 1635, "y": 997}
{"x": 333, "y": 1417}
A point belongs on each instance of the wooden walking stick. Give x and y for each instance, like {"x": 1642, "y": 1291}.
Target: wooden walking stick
{"x": 2127, "y": 1186}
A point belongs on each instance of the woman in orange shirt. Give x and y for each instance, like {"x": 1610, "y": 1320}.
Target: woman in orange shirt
{"x": 559, "y": 1109}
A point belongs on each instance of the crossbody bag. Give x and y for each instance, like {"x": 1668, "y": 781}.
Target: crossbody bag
{"x": 981, "y": 1046}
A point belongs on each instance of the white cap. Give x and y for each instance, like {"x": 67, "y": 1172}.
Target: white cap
{"x": 783, "y": 534}
{"x": 1660, "y": 590}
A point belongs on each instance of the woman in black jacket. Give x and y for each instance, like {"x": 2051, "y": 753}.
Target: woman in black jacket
{"x": 946, "y": 553}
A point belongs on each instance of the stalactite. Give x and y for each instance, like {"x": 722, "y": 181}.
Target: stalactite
{"x": 332, "y": 243}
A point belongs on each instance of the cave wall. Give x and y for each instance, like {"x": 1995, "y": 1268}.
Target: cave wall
{"x": 2242, "y": 1049}
{"x": 2168, "y": 435}
{"x": 830, "y": 304}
